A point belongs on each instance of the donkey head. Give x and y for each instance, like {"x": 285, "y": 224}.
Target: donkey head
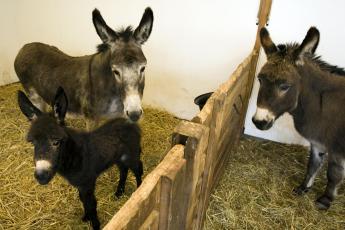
{"x": 46, "y": 133}
{"x": 127, "y": 61}
{"x": 280, "y": 80}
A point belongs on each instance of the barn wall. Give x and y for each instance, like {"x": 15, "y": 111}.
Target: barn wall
{"x": 195, "y": 45}
{"x": 290, "y": 21}
{"x": 193, "y": 48}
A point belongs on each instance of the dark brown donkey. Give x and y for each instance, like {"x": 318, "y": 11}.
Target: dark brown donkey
{"x": 81, "y": 157}
{"x": 296, "y": 81}
{"x": 109, "y": 83}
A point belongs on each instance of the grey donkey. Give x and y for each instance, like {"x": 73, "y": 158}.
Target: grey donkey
{"x": 107, "y": 84}
{"x": 296, "y": 81}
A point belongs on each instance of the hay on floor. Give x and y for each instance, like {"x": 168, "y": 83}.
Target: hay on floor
{"x": 255, "y": 191}
{"x": 24, "y": 204}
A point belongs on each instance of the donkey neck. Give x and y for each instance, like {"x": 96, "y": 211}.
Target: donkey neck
{"x": 316, "y": 86}
{"x": 71, "y": 156}
{"x": 317, "y": 80}
{"x": 100, "y": 62}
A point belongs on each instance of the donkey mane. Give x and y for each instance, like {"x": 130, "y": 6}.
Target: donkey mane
{"x": 334, "y": 69}
{"x": 125, "y": 34}
{"x": 288, "y": 51}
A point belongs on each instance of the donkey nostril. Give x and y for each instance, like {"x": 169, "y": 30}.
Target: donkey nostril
{"x": 42, "y": 176}
{"x": 134, "y": 116}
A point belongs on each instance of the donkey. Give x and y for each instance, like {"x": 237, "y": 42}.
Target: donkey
{"x": 296, "y": 81}
{"x": 80, "y": 157}
{"x": 107, "y": 84}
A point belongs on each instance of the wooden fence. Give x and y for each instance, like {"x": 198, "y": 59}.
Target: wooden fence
{"x": 175, "y": 195}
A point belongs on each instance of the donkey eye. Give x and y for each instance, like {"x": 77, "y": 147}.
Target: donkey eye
{"x": 284, "y": 87}
{"x": 56, "y": 142}
{"x": 142, "y": 69}
{"x": 116, "y": 72}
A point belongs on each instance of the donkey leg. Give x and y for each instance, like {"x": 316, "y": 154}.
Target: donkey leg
{"x": 335, "y": 175}
{"x": 316, "y": 160}
{"x": 87, "y": 196}
{"x": 122, "y": 182}
{"x": 138, "y": 172}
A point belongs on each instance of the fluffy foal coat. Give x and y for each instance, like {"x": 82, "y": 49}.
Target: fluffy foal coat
{"x": 81, "y": 157}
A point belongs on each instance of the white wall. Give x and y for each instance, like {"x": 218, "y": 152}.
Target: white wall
{"x": 290, "y": 21}
{"x": 194, "y": 45}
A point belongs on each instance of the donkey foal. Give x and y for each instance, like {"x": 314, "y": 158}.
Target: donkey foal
{"x": 81, "y": 157}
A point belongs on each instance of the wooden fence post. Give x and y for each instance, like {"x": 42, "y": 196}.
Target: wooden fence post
{"x": 196, "y": 143}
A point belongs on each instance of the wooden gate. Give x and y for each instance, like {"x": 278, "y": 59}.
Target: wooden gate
{"x": 175, "y": 195}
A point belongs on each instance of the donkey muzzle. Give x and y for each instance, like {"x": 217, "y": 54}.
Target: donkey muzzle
{"x": 263, "y": 118}
{"x": 132, "y": 107}
{"x": 262, "y": 125}
{"x": 43, "y": 176}
{"x": 43, "y": 173}
{"x": 134, "y": 115}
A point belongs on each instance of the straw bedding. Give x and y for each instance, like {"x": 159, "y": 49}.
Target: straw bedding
{"x": 255, "y": 191}
{"x": 24, "y": 204}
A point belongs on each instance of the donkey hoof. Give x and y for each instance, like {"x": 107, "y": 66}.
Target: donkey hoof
{"x": 323, "y": 203}
{"x": 85, "y": 218}
{"x": 96, "y": 225}
{"x": 119, "y": 193}
{"x": 300, "y": 190}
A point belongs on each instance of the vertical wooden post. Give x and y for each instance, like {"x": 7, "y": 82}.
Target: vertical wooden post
{"x": 263, "y": 16}
{"x": 196, "y": 142}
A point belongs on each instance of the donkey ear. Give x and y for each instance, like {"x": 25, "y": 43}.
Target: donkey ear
{"x": 60, "y": 105}
{"x": 267, "y": 42}
{"x": 27, "y": 108}
{"x": 143, "y": 31}
{"x": 103, "y": 30}
{"x": 309, "y": 44}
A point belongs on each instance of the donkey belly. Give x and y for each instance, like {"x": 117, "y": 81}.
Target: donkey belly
{"x": 42, "y": 69}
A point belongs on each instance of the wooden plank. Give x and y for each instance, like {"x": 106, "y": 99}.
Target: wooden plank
{"x": 230, "y": 100}
{"x": 232, "y": 121}
{"x": 187, "y": 129}
{"x": 151, "y": 223}
{"x": 146, "y": 198}
{"x": 172, "y": 197}
{"x": 263, "y": 16}
{"x": 212, "y": 144}
{"x": 195, "y": 154}
{"x": 228, "y": 144}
